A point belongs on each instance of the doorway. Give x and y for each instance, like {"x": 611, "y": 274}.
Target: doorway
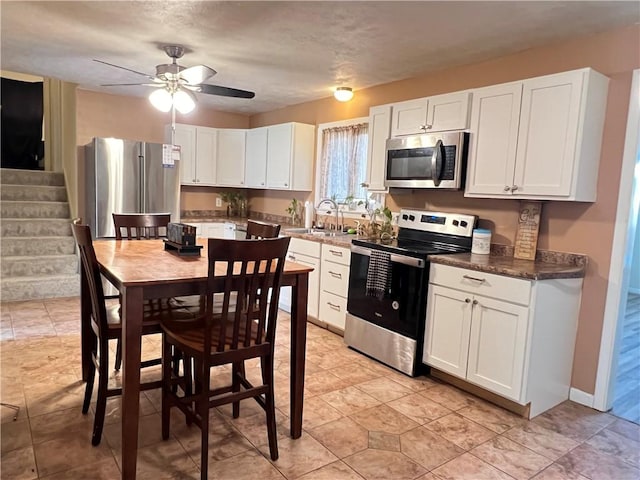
{"x": 618, "y": 362}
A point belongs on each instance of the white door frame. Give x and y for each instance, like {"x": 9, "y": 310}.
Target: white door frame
{"x": 618, "y": 281}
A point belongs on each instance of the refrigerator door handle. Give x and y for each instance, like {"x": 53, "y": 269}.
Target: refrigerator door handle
{"x": 143, "y": 190}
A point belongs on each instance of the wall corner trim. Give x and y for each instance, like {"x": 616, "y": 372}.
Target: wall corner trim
{"x": 581, "y": 397}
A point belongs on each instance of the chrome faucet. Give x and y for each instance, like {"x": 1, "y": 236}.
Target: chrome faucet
{"x": 333, "y": 204}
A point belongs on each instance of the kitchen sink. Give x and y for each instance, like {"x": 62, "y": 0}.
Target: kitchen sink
{"x": 315, "y": 231}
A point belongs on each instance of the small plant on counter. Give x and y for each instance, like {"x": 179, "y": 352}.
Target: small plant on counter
{"x": 236, "y": 203}
{"x": 294, "y": 211}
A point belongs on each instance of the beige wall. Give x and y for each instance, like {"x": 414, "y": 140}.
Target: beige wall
{"x": 571, "y": 227}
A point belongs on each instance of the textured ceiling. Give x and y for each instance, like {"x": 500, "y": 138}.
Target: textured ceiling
{"x": 286, "y": 52}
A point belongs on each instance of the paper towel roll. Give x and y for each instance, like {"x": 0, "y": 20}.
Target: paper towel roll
{"x": 308, "y": 214}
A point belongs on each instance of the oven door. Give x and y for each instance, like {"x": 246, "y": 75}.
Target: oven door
{"x": 402, "y": 307}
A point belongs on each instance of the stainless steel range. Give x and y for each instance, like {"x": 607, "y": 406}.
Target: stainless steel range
{"x": 387, "y": 300}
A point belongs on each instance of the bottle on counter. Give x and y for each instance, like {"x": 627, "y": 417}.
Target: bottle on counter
{"x": 481, "y": 241}
{"x": 308, "y": 214}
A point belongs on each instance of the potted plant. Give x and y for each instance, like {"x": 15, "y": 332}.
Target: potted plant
{"x": 294, "y": 211}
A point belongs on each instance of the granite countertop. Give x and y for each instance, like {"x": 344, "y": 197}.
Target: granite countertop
{"x": 338, "y": 240}
{"x": 547, "y": 265}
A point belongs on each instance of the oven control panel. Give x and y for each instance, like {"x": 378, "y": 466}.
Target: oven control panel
{"x": 450, "y": 223}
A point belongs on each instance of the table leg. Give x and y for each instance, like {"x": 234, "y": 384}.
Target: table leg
{"x": 299, "y": 296}
{"x": 87, "y": 337}
{"x": 131, "y": 346}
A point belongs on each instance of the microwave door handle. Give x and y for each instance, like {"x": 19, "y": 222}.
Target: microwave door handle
{"x": 436, "y": 163}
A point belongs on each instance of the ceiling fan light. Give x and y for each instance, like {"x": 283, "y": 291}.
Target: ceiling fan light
{"x": 184, "y": 101}
{"x": 161, "y": 99}
{"x": 343, "y": 94}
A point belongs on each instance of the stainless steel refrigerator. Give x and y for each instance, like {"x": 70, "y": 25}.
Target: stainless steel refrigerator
{"x": 127, "y": 176}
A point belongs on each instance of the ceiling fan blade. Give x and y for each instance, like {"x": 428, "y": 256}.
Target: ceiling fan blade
{"x": 225, "y": 91}
{"x": 197, "y": 74}
{"x": 125, "y": 68}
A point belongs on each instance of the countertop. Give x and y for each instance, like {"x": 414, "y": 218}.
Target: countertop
{"x": 547, "y": 265}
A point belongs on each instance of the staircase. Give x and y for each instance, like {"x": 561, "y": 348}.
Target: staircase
{"x": 37, "y": 250}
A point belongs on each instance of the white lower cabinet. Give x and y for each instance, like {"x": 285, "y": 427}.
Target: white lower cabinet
{"x": 304, "y": 252}
{"x": 334, "y": 285}
{"x": 510, "y": 336}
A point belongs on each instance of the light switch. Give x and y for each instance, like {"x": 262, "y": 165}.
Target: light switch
{"x": 218, "y": 202}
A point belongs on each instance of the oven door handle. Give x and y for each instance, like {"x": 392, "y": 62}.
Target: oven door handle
{"x": 410, "y": 261}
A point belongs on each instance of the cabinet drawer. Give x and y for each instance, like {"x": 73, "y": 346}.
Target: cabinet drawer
{"x": 336, "y": 254}
{"x": 334, "y": 278}
{"x": 333, "y": 309}
{"x": 512, "y": 290}
{"x": 305, "y": 247}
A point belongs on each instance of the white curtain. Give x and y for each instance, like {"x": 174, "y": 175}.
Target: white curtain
{"x": 344, "y": 161}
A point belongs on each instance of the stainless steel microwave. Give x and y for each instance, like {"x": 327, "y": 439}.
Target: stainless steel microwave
{"x": 435, "y": 160}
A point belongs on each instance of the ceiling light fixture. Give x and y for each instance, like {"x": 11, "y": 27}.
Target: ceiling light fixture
{"x": 164, "y": 98}
{"x": 343, "y": 94}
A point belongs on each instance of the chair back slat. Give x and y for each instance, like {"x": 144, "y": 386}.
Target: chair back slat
{"x": 131, "y": 226}
{"x": 253, "y": 273}
{"x": 91, "y": 268}
{"x": 256, "y": 229}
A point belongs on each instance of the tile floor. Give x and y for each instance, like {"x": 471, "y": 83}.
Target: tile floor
{"x": 362, "y": 421}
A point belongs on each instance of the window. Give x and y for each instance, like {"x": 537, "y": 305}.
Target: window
{"x": 342, "y": 161}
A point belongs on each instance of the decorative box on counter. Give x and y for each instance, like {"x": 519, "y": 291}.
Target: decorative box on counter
{"x": 181, "y": 239}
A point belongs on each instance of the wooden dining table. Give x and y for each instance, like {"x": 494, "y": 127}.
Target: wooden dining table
{"x": 143, "y": 269}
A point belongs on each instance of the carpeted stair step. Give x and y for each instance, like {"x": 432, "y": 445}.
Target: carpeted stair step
{"x": 10, "y": 176}
{"x": 49, "y": 286}
{"x": 39, "y": 265}
{"x": 35, "y": 227}
{"x": 42, "y": 193}
{"x": 12, "y": 209}
{"x": 34, "y": 246}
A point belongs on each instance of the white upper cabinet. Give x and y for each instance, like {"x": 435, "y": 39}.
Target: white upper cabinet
{"x": 197, "y": 153}
{"x": 379, "y": 132}
{"x": 432, "y": 114}
{"x": 256, "y": 158}
{"x": 230, "y": 157}
{"x": 290, "y": 156}
{"x": 539, "y": 138}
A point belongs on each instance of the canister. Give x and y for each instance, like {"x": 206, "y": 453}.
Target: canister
{"x": 481, "y": 242}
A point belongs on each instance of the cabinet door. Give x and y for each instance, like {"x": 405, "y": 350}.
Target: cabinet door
{"x": 213, "y": 230}
{"x": 409, "y": 117}
{"x": 279, "y": 148}
{"x": 256, "y": 158}
{"x": 497, "y": 346}
{"x": 379, "y": 132}
{"x": 547, "y": 137}
{"x": 495, "y": 116}
{"x": 206, "y": 156}
{"x": 314, "y": 284}
{"x": 185, "y": 136}
{"x": 448, "y": 112}
{"x": 446, "y": 338}
{"x": 230, "y": 157}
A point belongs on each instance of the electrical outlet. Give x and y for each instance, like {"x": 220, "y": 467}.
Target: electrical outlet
{"x": 218, "y": 202}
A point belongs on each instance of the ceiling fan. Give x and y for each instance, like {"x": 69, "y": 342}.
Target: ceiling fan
{"x": 175, "y": 84}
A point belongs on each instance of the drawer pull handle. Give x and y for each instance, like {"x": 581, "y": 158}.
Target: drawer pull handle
{"x": 335, "y": 275}
{"x": 475, "y": 302}
{"x": 335, "y": 252}
{"x": 476, "y": 279}
{"x": 292, "y": 258}
{"x": 333, "y": 306}
{"x": 467, "y": 300}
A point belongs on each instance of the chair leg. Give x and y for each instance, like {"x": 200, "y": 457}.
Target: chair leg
{"x": 203, "y": 410}
{"x": 118, "y": 363}
{"x": 188, "y": 380}
{"x": 89, "y": 388}
{"x": 166, "y": 387}
{"x": 267, "y": 375}
{"x": 237, "y": 370}
{"x": 101, "y": 404}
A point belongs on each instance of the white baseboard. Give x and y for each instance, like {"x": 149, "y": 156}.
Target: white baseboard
{"x": 581, "y": 397}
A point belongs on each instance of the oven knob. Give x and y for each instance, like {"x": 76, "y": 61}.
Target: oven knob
{"x": 395, "y": 305}
{"x": 455, "y": 223}
{"x": 405, "y": 216}
{"x": 463, "y": 223}
{"x": 412, "y": 218}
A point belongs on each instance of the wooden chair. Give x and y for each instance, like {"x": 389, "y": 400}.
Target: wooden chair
{"x": 256, "y": 229}
{"x": 140, "y": 225}
{"x": 106, "y": 325}
{"x": 229, "y": 337}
